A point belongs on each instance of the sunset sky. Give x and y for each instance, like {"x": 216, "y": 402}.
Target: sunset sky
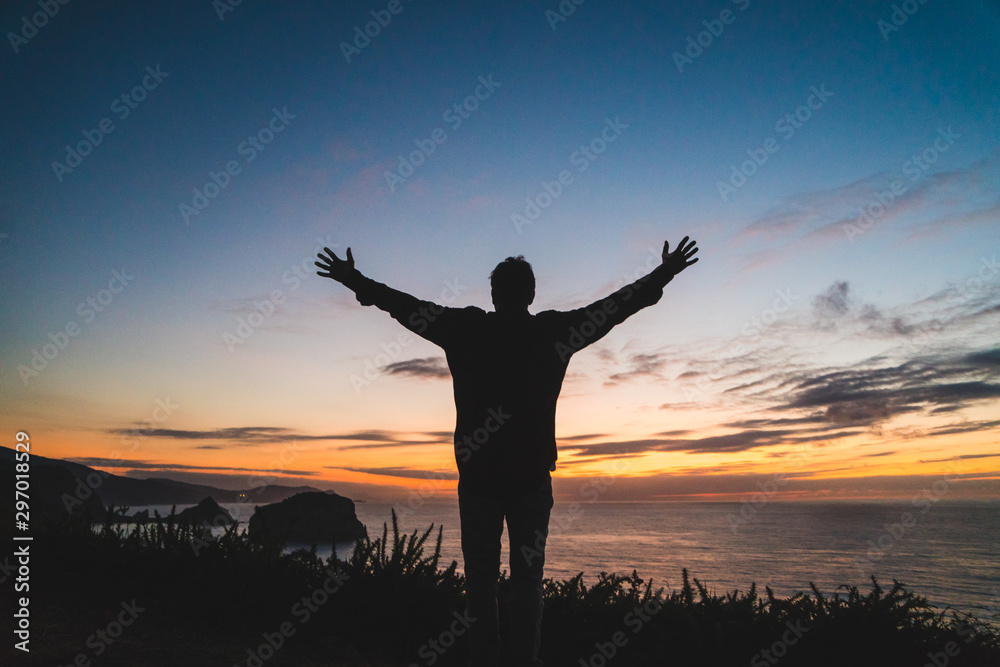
{"x": 170, "y": 170}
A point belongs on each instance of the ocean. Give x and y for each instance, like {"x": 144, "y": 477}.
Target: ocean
{"x": 948, "y": 552}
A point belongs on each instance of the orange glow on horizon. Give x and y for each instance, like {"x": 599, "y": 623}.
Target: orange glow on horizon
{"x": 424, "y": 467}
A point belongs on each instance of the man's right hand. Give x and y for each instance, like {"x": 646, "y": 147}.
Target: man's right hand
{"x": 681, "y": 258}
{"x": 334, "y": 267}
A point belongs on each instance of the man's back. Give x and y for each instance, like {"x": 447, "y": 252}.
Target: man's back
{"x": 507, "y": 375}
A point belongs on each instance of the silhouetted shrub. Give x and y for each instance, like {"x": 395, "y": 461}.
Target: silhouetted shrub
{"x": 212, "y": 600}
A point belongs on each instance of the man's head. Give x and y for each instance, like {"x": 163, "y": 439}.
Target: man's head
{"x": 513, "y": 284}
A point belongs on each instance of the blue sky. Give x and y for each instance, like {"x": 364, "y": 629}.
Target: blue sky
{"x": 873, "y": 306}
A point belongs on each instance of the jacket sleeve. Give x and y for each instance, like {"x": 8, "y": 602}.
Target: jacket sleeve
{"x": 427, "y": 319}
{"x": 576, "y": 329}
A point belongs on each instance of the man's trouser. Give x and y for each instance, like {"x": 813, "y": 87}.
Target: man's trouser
{"x": 527, "y": 529}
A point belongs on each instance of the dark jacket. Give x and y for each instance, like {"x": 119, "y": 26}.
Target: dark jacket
{"x": 507, "y": 369}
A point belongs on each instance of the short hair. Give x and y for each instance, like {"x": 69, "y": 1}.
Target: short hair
{"x": 513, "y": 282}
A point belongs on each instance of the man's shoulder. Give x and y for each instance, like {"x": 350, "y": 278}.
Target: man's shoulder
{"x": 543, "y": 317}
{"x": 466, "y": 315}
{"x": 554, "y": 321}
{"x": 552, "y": 316}
{"x": 470, "y": 311}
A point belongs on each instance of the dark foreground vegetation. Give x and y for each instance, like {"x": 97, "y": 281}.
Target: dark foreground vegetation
{"x": 162, "y": 594}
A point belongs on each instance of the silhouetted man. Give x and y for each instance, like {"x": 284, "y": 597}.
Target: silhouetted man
{"x": 507, "y": 367}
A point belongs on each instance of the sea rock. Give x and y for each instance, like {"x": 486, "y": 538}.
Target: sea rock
{"x": 206, "y": 513}
{"x": 308, "y": 517}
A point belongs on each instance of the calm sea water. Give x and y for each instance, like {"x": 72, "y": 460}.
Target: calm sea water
{"x": 950, "y": 553}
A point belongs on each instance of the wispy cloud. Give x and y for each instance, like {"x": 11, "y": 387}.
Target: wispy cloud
{"x": 249, "y": 435}
{"x": 930, "y": 203}
{"x": 739, "y": 441}
{"x": 406, "y": 473}
{"x": 585, "y": 436}
{"x": 407, "y": 440}
{"x": 433, "y": 368}
{"x": 640, "y": 365}
{"x": 866, "y": 394}
{"x": 963, "y": 457}
{"x": 156, "y": 465}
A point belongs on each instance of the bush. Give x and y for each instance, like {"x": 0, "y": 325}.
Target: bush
{"x": 216, "y": 600}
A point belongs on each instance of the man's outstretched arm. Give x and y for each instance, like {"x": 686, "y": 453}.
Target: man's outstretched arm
{"x": 591, "y": 323}
{"x": 423, "y": 318}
